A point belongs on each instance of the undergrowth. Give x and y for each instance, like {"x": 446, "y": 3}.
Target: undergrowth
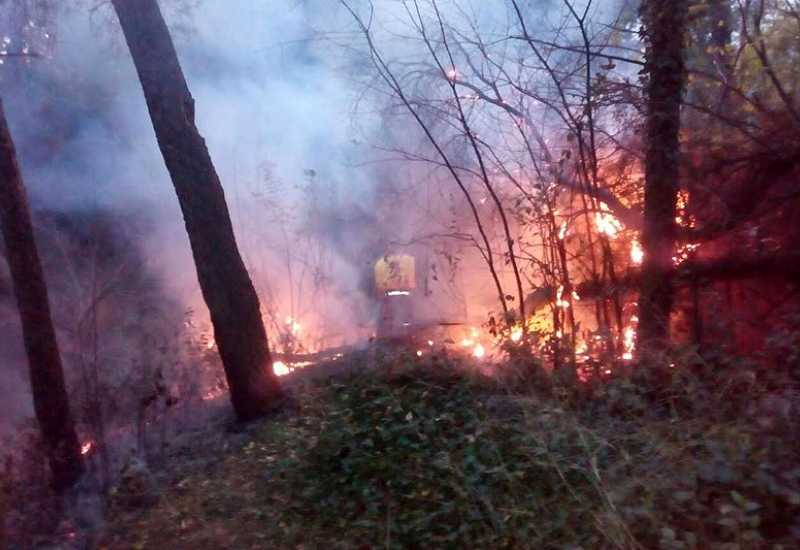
{"x": 423, "y": 457}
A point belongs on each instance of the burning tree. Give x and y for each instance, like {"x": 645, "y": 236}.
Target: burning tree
{"x": 665, "y": 24}
{"x": 538, "y": 118}
{"x": 482, "y": 114}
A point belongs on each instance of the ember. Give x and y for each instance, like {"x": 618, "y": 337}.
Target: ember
{"x": 637, "y": 252}
{"x": 629, "y": 339}
{"x": 280, "y": 368}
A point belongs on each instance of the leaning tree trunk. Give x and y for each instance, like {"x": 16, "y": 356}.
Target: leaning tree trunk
{"x": 224, "y": 281}
{"x": 50, "y": 399}
{"x": 665, "y": 27}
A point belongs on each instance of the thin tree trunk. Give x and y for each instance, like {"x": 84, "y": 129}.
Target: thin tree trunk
{"x": 224, "y": 281}
{"x": 665, "y": 27}
{"x": 50, "y": 399}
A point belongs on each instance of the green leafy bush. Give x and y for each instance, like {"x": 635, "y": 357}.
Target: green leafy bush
{"x": 433, "y": 459}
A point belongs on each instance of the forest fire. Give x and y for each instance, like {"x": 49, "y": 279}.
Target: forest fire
{"x": 637, "y": 252}
{"x": 214, "y": 393}
{"x": 600, "y": 190}
{"x": 280, "y": 368}
{"x": 682, "y": 204}
{"x": 684, "y": 252}
{"x": 606, "y": 223}
{"x": 293, "y": 325}
{"x": 629, "y": 340}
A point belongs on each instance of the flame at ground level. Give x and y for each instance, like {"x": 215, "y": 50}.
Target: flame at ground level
{"x": 280, "y": 368}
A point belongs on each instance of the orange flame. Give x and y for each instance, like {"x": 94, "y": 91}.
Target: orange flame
{"x": 280, "y": 368}
{"x": 629, "y": 339}
{"x": 606, "y": 223}
{"x": 637, "y": 252}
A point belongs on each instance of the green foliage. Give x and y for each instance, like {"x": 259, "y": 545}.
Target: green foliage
{"x": 433, "y": 460}
{"x": 415, "y": 456}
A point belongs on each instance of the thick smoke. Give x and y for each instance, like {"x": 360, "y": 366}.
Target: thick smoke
{"x": 277, "y": 121}
{"x": 287, "y": 100}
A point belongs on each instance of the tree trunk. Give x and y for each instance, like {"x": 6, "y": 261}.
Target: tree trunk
{"x": 50, "y": 399}
{"x": 665, "y": 27}
{"x": 224, "y": 281}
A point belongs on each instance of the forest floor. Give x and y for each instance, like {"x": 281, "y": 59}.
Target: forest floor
{"x": 424, "y": 455}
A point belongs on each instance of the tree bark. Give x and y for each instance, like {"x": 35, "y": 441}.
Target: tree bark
{"x": 226, "y": 286}
{"x": 665, "y": 28}
{"x": 50, "y": 400}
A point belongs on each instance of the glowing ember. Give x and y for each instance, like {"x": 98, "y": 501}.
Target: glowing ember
{"x": 213, "y": 393}
{"x": 398, "y": 293}
{"x": 479, "y": 351}
{"x": 637, "y": 253}
{"x": 430, "y": 343}
{"x": 293, "y": 325}
{"x": 683, "y": 218}
{"x": 419, "y": 353}
{"x": 516, "y": 334}
{"x": 559, "y": 301}
{"x": 684, "y": 252}
{"x": 562, "y": 232}
{"x": 629, "y": 339}
{"x": 606, "y": 223}
{"x": 280, "y": 368}
{"x": 87, "y": 447}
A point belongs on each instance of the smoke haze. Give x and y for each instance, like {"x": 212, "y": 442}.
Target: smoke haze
{"x": 290, "y": 108}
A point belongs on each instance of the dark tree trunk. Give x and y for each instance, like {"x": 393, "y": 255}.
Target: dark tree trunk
{"x": 224, "y": 281}
{"x": 665, "y": 27}
{"x": 50, "y": 399}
